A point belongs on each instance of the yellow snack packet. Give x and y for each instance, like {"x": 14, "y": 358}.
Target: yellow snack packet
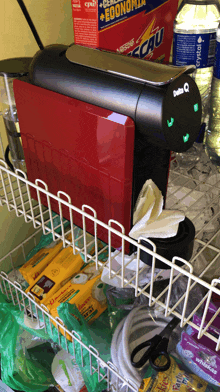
{"x": 86, "y": 290}
{"x": 33, "y": 268}
{"x": 55, "y": 275}
{"x": 173, "y": 379}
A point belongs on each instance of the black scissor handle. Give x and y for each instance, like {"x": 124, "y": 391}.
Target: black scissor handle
{"x": 160, "y": 351}
{"x": 151, "y": 344}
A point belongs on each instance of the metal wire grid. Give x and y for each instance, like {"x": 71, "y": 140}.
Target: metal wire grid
{"x": 203, "y": 206}
{"x": 39, "y": 314}
{"x": 15, "y": 193}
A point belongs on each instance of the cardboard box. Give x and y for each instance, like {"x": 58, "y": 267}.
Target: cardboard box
{"x": 138, "y": 28}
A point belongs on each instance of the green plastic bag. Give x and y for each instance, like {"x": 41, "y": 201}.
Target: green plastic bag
{"x": 12, "y": 319}
{"x": 19, "y": 369}
{"x": 97, "y": 335}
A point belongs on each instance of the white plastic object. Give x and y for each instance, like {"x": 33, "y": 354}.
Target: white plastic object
{"x": 66, "y": 372}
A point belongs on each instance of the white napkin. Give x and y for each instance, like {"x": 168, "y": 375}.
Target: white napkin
{"x": 130, "y": 263}
{"x": 150, "y": 220}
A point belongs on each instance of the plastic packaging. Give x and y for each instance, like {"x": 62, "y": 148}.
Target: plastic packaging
{"x": 67, "y": 374}
{"x": 123, "y": 299}
{"x": 199, "y": 355}
{"x": 51, "y": 279}
{"x": 212, "y": 142}
{"x": 21, "y": 366}
{"x": 98, "y": 335}
{"x": 86, "y": 290}
{"x": 178, "y": 291}
{"x": 195, "y": 29}
{"x": 34, "y": 266}
{"x": 55, "y": 275}
{"x": 173, "y": 379}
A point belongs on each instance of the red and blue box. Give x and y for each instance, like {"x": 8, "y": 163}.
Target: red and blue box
{"x": 138, "y": 28}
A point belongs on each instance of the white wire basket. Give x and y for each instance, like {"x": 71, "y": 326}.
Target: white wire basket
{"x": 196, "y": 192}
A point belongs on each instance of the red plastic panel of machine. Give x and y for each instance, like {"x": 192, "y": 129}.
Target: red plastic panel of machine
{"x": 138, "y": 28}
{"x": 80, "y": 149}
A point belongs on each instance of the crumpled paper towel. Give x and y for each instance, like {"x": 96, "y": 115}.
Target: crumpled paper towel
{"x": 150, "y": 220}
{"x": 130, "y": 263}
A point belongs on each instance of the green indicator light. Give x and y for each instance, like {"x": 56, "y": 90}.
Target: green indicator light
{"x": 170, "y": 123}
{"x": 196, "y": 107}
{"x": 186, "y": 138}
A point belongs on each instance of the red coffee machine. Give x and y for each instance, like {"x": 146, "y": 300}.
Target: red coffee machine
{"x": 97, "y": 125}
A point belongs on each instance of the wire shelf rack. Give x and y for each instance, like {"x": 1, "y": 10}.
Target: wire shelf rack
{"x": 194, "y": 191}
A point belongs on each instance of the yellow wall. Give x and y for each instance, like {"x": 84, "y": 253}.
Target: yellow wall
{"x": 53, "y": 21}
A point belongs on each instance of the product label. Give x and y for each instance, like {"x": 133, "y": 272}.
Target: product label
{"x": 148, "y": 45}
{"x": 139, "y": 28}
{"x": 199, "y": 354}
{"x": 173, "y": 379}
{"x": 42, "y": 287}
{"x": 197, "y": 49}
{"x": 216, "y": 72}
{"x": 112, "y": 11}
{"x": 86, "y": 28}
